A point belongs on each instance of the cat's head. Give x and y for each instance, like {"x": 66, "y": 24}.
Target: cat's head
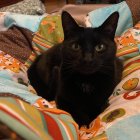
{"x": 87, "y": 50}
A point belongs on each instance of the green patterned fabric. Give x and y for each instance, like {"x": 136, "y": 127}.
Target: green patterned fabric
{"x": 50, "y": 32}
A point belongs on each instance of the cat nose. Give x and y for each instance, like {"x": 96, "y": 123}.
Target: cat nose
{"x": 88, "y": 57}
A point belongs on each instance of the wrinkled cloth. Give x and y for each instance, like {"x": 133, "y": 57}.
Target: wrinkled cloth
{"x": 22, "y": 111}
{"x": 30, "y": 22}
{"x": 17, "y": 42}
{"x": 50, "y": 33}
{"x": 18, "y": 118}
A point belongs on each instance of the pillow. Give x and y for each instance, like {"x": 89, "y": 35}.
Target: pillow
{"x": 129, "y": 43}
{"x": 29, "y": 7}
{"x": 98, "y": 16}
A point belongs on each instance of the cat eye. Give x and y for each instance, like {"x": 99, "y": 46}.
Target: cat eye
{"x": 75, "y": 47}
{"x": 100, "y": 48}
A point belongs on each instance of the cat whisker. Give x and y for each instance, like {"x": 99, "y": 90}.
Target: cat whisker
{"x": 67, "y": 61}
{"x": 106, "y": 67}
{"x": 67, "y": 69}
{"x": 105, "y": 72}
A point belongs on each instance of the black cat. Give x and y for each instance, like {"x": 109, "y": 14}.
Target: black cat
{"x": 82, "y": 71}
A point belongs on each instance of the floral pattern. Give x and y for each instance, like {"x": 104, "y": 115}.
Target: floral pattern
{"x": 124, "y": 103}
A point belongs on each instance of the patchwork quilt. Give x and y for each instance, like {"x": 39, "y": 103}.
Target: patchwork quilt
{"x": 25, "y": 115}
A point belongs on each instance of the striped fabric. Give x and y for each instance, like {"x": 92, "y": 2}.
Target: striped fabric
{"x": 129, "y": 49}
{"x": 131, "y": 65}
{"x": 129, "y": 43}
{"x": 50, "y": 32}
{"x": 31, "y": 123}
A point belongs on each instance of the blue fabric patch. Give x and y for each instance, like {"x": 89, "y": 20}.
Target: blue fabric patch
{"x": 127, "y": 129}
{"x": 8, "y": 85}
{"x": 30, "y": 22}
{"x": 98, "y": 16}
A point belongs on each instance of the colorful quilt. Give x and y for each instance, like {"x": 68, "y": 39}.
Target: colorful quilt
{"x": 23, "y": 112}
{"x": 25, "y": 115}
{"x": 121, "y": 119}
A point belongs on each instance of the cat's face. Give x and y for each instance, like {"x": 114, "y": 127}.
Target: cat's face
{"x": 87, "y": 50}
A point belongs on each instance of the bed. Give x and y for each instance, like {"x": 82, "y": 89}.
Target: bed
{"x": 25, "y": 115}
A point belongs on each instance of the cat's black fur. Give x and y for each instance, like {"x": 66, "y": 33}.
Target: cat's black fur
{"x": 82, "y": 71}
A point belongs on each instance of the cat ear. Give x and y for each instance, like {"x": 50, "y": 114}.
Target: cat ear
{"x": 69, "y": 24}
{"x": 110, "y": 25}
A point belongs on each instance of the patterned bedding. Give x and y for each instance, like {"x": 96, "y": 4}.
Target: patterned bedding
{"x": 25, "y": 115}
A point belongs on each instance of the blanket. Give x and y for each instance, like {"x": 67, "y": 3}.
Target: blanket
{"x": 23, "y": 112}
